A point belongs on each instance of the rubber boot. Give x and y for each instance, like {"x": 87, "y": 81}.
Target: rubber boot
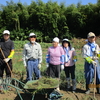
{"x": 1, "y": 84}
{"x": 1, "y": 80}
{"x": 8, "y": 80}
{"x": 98, "y": 90}
{"x": 73, "y": 85}
{"x": 68, "y": 83}
{"x": 87, "y": 89}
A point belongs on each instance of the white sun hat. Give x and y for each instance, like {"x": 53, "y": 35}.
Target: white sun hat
{"x": 65, "y": 40}
{"x": 91, "y": 34}
{"x": 6, "y": 32}
{"x": 56, "y": 39}
{"x": 32, "y": 34}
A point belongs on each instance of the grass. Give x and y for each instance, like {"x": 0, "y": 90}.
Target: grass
{"x": 19, "y": 69}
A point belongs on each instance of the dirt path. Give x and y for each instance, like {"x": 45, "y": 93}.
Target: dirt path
{"x": 79, "y": 95}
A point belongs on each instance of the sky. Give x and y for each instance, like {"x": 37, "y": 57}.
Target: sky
{"x": 67, "y": 2}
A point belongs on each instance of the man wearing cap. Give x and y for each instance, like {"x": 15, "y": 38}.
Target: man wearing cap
{"x": 91, "y": 55}
{"x": 7, "y": 50}
{"x": 32, "y": 57}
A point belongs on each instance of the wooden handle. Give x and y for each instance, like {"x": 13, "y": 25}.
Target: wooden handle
{"x": 6, "y": 62}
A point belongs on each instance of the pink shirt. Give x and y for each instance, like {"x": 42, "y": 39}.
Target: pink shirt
{"x": 55, "y": 54}
{"x": 71, "y": 61}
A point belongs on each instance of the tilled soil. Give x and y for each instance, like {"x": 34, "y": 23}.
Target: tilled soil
{"x": 67, "y": 95}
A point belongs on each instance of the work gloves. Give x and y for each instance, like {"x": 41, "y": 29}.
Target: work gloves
{"x": 47, "y": 65}
{"x": 94, "y": 63}
{"x": 39, "y": 66}
{"x": 90, "y": 60}
{"x": 62, "y": 67}
{"x": 74, "y": 58}
{"x": 6, "y": 59}
{"x": 94, "y": 58}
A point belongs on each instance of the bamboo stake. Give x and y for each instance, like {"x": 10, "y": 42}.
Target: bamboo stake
{"x": 6, "y": 62}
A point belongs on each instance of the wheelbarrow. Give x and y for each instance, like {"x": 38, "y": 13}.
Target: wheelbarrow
{"x": 51, "y": 93}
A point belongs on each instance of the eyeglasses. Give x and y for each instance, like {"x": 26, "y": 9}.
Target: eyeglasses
{"x": 6, "y": 34}
{"x": 32, "y": 37}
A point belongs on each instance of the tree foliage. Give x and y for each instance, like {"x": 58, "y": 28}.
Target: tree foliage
{"x": 49, "y": 20}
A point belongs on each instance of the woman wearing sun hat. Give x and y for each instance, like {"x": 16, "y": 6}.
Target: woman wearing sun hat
{"x": 70, "y": 59}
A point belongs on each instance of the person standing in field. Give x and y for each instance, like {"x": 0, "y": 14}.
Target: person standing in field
{"x": 91, "y": 55}
{"x": 6, "y": 55}
{"x": 32, "y": 57}
{"x": 55, "y": 59}
{"x": 69, "y": 64}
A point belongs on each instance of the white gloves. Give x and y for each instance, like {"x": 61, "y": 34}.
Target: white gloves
{"x": 62, "y": 67}
{"x": 47, "y": 65}
{"x": 95, "y": 58}
{"x": 39, "y": 66}
{"x": 94, "y": 63}
{"x": 6, "y": 59}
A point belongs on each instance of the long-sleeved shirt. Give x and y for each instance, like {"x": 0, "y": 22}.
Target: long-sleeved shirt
{"x": 70, "y": 62}
{"x": 32, "y": 51}
{"x": 86, "y": 50}
{"x": 55, "y": 55}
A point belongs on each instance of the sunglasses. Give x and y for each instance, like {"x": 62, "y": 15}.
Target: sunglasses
{"x": 6, "y": 34}
{"x": 92, "y": 37}
{"x": 32, "y": 37}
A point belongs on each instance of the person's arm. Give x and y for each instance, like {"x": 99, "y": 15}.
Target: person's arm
{"x": 24, "y": 57}
{"x": 11, "y": 53}
{"x": 74, "y": 56}
{"x": 48, "y": 57}
{"x": 62, "y": 56}
{"x": 85, "y": 56}
{"x": 40, "y": 54}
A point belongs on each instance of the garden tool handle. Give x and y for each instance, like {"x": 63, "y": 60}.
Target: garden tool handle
{"x": 6, "y": 62}
{"x": 94, "y": 79}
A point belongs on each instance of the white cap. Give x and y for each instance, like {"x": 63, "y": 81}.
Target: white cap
{"x": 90, "y": 34}
{"x": 6, "y": 32}
{"x": 32, "y": 34}
{"x": 65, "y": 40}
{"x": 56, "y": 39}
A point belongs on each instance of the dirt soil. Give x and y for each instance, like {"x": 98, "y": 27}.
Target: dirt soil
{"x": 67, "y": 95}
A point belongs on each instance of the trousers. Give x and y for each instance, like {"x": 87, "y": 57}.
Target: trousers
{"x": 3, "y": 66}
{"x": 32, "y": 68}
{"x": 70, "y": 70}
{"x": 89, "y": 72}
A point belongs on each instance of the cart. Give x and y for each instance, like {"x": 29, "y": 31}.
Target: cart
{"x": 50, "y": 93}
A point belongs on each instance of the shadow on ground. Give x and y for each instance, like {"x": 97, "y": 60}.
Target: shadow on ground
{"x": 29, "y": 97}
